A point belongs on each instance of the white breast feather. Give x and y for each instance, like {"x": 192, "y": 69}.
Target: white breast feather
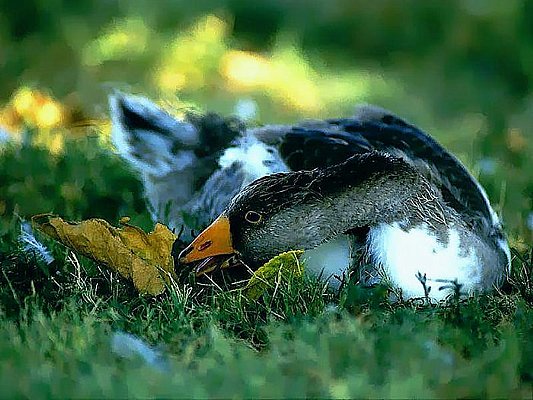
{"x": 405, "y": 254}
{"x": 331, "y": 260}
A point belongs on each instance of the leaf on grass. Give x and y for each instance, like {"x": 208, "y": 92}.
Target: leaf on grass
{"x": 145, "y": 258}
{"x": 283, "y": 265}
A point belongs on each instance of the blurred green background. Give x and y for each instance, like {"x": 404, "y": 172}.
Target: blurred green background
{"x": 462, "y": 70}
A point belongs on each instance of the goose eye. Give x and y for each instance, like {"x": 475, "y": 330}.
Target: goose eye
{"x": 253, "y": 217}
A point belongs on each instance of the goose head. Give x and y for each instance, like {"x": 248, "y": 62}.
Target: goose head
{"x": 301, "y": 210}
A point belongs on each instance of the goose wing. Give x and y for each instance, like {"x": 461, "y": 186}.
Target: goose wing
{"x": 316, "y": 145}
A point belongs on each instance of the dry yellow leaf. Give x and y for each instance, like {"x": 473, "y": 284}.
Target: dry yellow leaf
{"x": 145, "y": 258}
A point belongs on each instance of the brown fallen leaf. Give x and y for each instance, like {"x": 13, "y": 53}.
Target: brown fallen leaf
{"x": 145, "y": 258}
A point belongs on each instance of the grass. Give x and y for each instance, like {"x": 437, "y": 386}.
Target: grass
{"x": 300, "y": 342}
{"x": 58, "y": 320}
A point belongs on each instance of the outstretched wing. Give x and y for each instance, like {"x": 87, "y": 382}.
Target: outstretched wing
{"x": 317, "y": 145}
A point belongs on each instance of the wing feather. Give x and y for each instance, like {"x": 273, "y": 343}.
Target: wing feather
{"x": 309, "y": 147}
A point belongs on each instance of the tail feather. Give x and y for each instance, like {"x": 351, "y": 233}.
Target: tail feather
{"x": 149, "y": 138}
{"x": 175, "y": 159}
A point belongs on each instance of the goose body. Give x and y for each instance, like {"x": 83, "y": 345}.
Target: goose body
{"x": 370, "y": 187}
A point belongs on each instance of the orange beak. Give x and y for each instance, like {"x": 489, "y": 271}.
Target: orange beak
{"x": 215, "y": 240}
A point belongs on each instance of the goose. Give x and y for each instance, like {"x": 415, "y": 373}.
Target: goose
{"x": 369, "y": 194}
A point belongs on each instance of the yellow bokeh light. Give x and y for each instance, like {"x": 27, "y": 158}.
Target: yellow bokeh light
{"x": 199, "y": 57}
{"x": 56, "y": 143}
{"x": 210, "y": 29}
{"x": 284, "y": 76}
{"x": 49, "y": 115}
{"x": 123, "y": 39}
{"x": 53, "y": 141}
{"x": 35, "y": 108}
{"x": 113, "y": 43}
{"x": 245, "y": 70}
{"x": 23, "y": 100}
{"x": 191, "y": 58}
{"x": 169, "y": 80}
{"x": 10, "y": 120}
